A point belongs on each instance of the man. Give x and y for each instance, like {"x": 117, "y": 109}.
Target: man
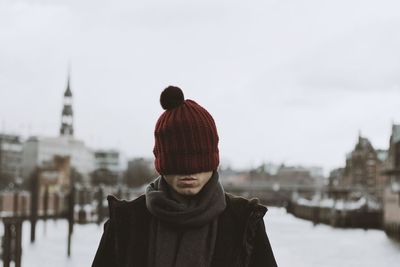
{"x": 185, "y": 219}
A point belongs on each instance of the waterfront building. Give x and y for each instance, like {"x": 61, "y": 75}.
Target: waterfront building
{"x": 391, "y": 217}
{"x": 55, "y": 174}
{"x": 10, "y": 156}
{"x": 335, "y": 178}
{"x": 108, "y": 169}
{"x": 108, "y": 159}
{"x": 363, "y": 170}
{"x": 393, "y": 160}
{"x": 391, "y": 210}
{"x": 296, "y": 176}
{"x": 38, "y": 150}
{"x": 283, "y": 177}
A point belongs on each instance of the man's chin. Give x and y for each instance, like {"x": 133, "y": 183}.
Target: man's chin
{"x": 188, "y": 191}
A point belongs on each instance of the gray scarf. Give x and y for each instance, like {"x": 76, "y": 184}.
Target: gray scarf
{"x": 183, "y": 231}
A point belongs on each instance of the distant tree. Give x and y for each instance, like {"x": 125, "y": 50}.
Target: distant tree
{"x": 140, "y": 171}
{"x": 76, "y": 176}
{"x": 6, "y": 180}
{"x": 103, "y": 176}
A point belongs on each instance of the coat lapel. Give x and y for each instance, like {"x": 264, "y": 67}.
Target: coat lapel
{"x": 133, "y": 222}
{"x": 228, "y": 247}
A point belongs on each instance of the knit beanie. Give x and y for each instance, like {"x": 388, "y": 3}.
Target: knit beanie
{"x": 186, "y": 138}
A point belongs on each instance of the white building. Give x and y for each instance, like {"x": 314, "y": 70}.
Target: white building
{"x": 37, "y": 150}
{"x": 108, "y": 159}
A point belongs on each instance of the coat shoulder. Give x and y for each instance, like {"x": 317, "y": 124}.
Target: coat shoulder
{"x": 242, "y": 207}
{"x": 116, "y": 202}
{"x": 119, "y": 207}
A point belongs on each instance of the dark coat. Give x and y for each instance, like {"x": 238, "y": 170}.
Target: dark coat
{"x": 241, "y": 237}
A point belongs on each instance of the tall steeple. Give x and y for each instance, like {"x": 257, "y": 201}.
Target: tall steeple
{"x": 67, "y": 128}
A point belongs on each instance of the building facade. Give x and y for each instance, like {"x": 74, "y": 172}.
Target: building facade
{"x": 108, "y": 169}
{"x": 335, "y": 178}
{"x": 39, "y": 150}
{"x": 364, "y": 167}
{"x": 391, "y": 203}
{"x": 108, "y": 159}
{"x": 10, "y": 156}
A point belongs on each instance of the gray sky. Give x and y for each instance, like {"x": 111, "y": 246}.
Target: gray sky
{"x": 286, "y": 80}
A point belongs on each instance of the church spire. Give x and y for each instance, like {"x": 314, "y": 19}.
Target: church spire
{"x": 67, "y": 128}
{"x": 68, "y": 92}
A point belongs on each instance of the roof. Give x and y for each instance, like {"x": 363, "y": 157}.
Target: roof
{"x": 363, "y": 143}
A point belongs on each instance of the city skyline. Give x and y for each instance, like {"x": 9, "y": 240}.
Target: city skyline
{"x": 281, "y": 87}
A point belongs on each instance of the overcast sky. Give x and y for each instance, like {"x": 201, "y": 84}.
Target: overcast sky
{"x": 286, "y": 80}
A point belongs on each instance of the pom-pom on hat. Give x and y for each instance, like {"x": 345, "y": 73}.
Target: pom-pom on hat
{"x": 186, "y": 138}
{"x": 171, "y": 97}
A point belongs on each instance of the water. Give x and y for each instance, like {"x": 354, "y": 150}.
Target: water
{"x": 296, "y": 243}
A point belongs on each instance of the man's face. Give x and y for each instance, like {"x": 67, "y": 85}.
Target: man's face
{"x": 188, "y": 184}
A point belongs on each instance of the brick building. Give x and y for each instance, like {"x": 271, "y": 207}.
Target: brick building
{"x": 364, "y": 167}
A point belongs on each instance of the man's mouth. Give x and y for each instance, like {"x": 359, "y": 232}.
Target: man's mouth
{"x": 187, "y": 182}
{"x": 188, "y": 179}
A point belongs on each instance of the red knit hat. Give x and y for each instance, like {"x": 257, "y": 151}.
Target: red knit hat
{"x": 186, "y": 138}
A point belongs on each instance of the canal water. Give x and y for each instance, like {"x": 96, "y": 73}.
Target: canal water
{"x": 296, "y": 243}
{"x": 299, "y": 243}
